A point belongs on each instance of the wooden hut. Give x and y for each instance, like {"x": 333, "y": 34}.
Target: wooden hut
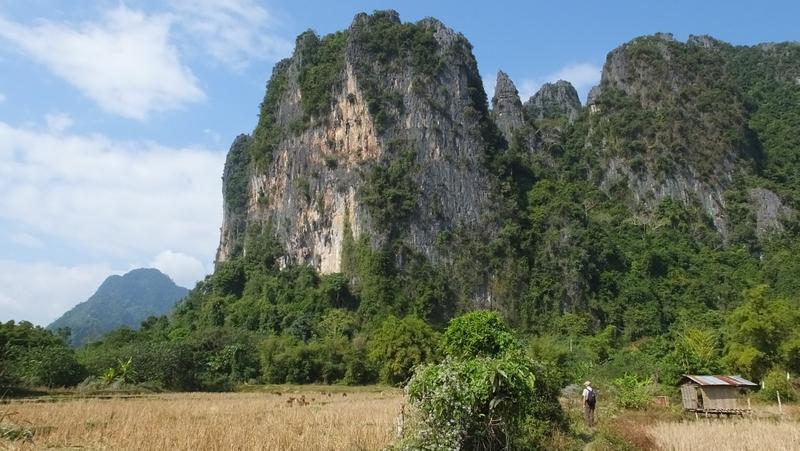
{"x": 710, "y": 395}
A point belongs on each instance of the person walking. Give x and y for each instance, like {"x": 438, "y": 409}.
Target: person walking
{"x": 589, "y": 401}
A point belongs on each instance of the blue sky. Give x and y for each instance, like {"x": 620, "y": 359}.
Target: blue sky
{"x": 115, "y": 116}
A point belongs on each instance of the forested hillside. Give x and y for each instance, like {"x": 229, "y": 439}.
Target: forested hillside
{"x": 653, "y": 230}
{"x": 125, "y": 300}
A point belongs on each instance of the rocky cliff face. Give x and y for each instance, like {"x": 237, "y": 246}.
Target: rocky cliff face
{"x": 559, "y": 99}
{"x": 770, "y": 211}
{"x": 668, "y": 121}
{"x": 383, "y": 132}
{"x": 376, "y": 156}
{"x": 685, "y": 121}
{"x": 378, "y": 131}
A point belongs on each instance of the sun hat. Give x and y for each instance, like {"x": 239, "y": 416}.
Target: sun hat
{"x": 587, "y": 383}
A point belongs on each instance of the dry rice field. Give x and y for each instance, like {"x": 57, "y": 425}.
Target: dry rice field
{"x": 728, "y": 435}
{"x": 316, "y": 418}
{"x": 324, "y": 420}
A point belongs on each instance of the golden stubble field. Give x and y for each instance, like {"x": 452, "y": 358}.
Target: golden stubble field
{"x": 324, "y": 420}
{"x": 747, "y": 434}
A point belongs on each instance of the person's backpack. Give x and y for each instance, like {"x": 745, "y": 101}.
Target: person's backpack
{"x": 591, "y": 398}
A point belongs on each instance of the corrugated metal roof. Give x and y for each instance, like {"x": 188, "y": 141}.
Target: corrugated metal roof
{"x": 735, "y": 381}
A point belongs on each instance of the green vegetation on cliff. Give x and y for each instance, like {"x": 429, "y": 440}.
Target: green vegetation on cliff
{"x": 693, "y": 114}
{"x": 389, "y": 46}
{"x": 767, "y": 74}
{"x": 389, "y": 191}
{"x": 322, "y": 71}
{"x": 268, "y": 131}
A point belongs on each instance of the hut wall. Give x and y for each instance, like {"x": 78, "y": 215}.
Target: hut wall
{"x": 719, "y": 397}
{"x": 689, "y": 396}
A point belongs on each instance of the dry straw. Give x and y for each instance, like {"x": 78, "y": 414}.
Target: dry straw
{"x": 728, "y": 435}
{"x": 239, "y": 421}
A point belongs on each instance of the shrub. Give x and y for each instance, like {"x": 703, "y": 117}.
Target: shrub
{"x": 479, "y": 333}
{"x": 484, "y": 396}
{"x": 331, "y": 162}
{"x": 471, "y": 404}
{"x": 632, "y": 392}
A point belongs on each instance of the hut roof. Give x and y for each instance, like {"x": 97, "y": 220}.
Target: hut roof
{"x": 706, "y": 380}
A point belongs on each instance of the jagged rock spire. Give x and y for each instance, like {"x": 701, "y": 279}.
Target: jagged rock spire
{"x": 506, "y": 105}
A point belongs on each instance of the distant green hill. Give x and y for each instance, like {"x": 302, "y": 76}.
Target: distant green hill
{"x": 121, "y": 301}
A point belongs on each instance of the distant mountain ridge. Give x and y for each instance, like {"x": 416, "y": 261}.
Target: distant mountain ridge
{"x": 125, "y": 300}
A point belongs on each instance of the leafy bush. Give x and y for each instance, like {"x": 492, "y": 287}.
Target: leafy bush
{"x": 632, "y": 392}
{"x": 480, "y": 333}
{"x": 484, "y": 396}
{"x": 694, "y": 351}
{"x": 471, "y": 404}
{"x": 121, "y": 373}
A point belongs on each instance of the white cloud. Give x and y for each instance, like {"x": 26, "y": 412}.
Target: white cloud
{"x": 41, "y": 292}
{"x": 231, "y": 31}
{"x": 489, "y": 84}
{"x": 213, "y": 135}
{"x": 58, "y": 122}
{"x": 129, "y": 200}
{"x": 125, "y": 64}
{"x": 122, "y": 201}
{"x": 183, "y": 269}
{"x": 26, "y": 239}
{"x": 582, "y": 76}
